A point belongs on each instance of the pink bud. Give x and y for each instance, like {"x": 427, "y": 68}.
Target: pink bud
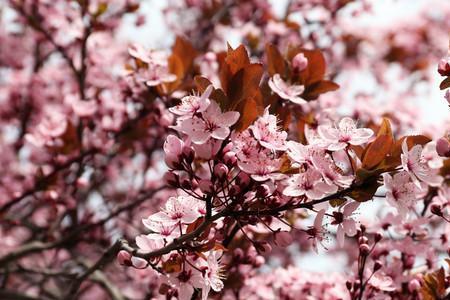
{"x": 444, "y": 66}
{"x": 171, "y": 179}
{"x": 363, "y": 240}
{"x": 124, "y": 258}
{"x": 299, "y": 62}
{"x": 259, "y": 261}
{"x": 205, "y": 186}
{"x": 243, "y": 179}
{"x": 443, "y": 147}
{"x": 220, "y": 170}
{"x": 138, "y": 263}
{"x": 364, "y": 249}
{"x": 447, "y": 96}
{"x": 283, "y": 238}
{"x": 188, "y": 154}
{"x": 230, "y": 158}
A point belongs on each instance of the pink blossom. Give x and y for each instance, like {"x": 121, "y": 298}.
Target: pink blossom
{"x": 173, "y": 148}
{"x": 190, "y": 105}
{"x": 345, "y": 224}
{"x": 346, "y": 134}
{"x": 211, "y": 124}
{"x": 182, "y": 209}
{"x": 266, "y": 131}
{"x": 414, "y": 163}
{"x": 331, "y": 173}
{"x": 286, "y": 91}
{"x": 382, "y": 282}
{"x": 316, "y": 232}
{"x": 213, "y": 275}
{"x": 401, "y": 192}
{"x": 310, "y": 184}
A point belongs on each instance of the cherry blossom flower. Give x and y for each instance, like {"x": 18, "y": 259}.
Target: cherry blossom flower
{"x": 331, "y": 173}
{"x": 185, "y": 281}
{"x": 286, "y": 91}
{"x": 182, "y": 209}
{"x": 316, "y": 232}
{"x": 346, "y": 134}
{"x": 212, "y": 124}
{"x": 401, "y": 192}
{"x": 382, "y": 282}
{"x": 265, "y": 130}
{"x": 345, "y": 224}
{"x": 190, "y": 105}
{"x": 417, "y": 167}
{"x": 310, "y": 184}
{"x": 173, "y": 148}
{"x": 213, "y": 274}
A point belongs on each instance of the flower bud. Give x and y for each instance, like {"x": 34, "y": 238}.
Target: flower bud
{"x": 230, "y": 158}
{"x": 378, "y": 237}
{"x": 363, "y": 240}
{"x": 124, "y": 258}
{"x": 436, "y": 210}
{"x": 443, "y": 146}
{"x": 205, "y": 186}
{"x": 299, "y": 62}
{"x": 188, "y": 154}
{"x": 239, "y": 253}
{"x": 262, "y": 191}
{"x": 171, "y": 179}
{"x": 227, "y": 147}
{"x": 377, "y": 265}
{"x": 259, "y": 261}
{"x": 243, "y": 180}
{"x": 444, "y": 66}
{"x": 221, "y": 171}
{"x": 364, "y": 249}
{"x": 138, "y": 263}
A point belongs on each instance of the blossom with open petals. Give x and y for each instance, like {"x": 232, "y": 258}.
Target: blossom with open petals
{"x": 345, "y": 134}
{"x": 286, "y": 91}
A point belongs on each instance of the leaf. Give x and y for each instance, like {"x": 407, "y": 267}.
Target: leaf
{"x": 315, "y": 71}
{"x": 172, "y": 265}
{"x": 445, "y": 84}
{"x": 249, "y": 111}
{"x": 365, "y": 191}
{"x": 244, "y": 84}
{"x": 337, "y": 202}
{"x": 434, "y": 285}
{"x": 313, "y": 91}
{"x": 275, "y": 62}
{"x": 202, "y": 83}
{"x": 380, "y": 147}
{"x": 237, "y": 59}
{"x": 185, "y": 51}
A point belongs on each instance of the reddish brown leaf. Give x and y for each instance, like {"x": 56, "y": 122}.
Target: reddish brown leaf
{"x": 313, "y": 91}
{"x": 445, "y": 84}
{"x": 378, "y": 150}
{"x": 275, "y": 62}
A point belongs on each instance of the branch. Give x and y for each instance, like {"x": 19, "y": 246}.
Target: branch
{"x": 106, "y": 258}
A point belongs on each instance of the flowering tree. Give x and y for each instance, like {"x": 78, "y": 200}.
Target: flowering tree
{"x": 209, "y": 170}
